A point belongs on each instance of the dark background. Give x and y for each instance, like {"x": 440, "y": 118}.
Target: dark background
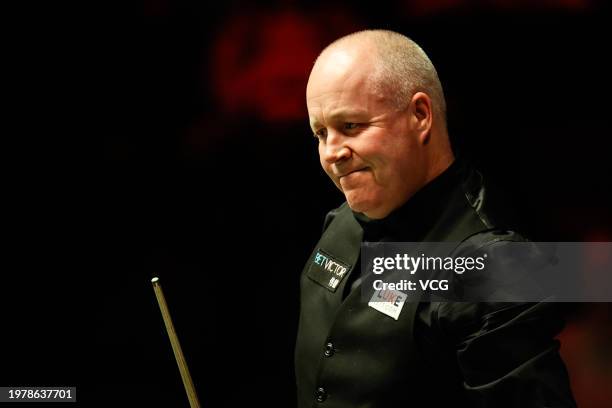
{"x": 210, "y": 179}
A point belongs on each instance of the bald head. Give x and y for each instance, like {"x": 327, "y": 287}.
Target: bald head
{"x": 400, "y": 67}
{"x": 376, "y": 107}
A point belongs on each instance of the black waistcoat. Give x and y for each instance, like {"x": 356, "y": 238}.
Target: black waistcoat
{"x": 348, "y": 354}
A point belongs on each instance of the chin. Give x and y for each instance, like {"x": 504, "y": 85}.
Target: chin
{"x": 370, "y": 207}
{"x": 376, "y": 214}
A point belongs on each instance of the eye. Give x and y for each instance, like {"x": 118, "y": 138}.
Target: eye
{"x": 321, "y": 133}
{"x": 350, "y": 126}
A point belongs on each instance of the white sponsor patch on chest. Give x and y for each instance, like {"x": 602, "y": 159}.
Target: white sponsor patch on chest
{"x": 389, "y": 302}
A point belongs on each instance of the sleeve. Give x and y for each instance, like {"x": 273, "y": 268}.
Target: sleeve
{"x": 507, "y": 353}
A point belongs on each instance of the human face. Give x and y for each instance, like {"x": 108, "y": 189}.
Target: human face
{"x": 366, "y": 146}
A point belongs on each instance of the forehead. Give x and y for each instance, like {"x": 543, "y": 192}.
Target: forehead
{"x": 339, "y": 65}
{"x": 341, "y": 85}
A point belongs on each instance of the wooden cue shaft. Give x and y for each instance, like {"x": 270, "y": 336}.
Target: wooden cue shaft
{"x": 176, "y": 346}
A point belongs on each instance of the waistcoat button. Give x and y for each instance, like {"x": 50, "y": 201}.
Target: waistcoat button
{"x": 321, "y": 394}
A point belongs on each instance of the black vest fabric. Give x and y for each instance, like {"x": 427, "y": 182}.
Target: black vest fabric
{"x": 350, "y": 355}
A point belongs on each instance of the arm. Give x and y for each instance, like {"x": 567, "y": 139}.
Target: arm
{"x": 508, "y": 355}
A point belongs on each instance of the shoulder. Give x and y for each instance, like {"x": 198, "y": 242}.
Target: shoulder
{"x": 509, "y": 251}
{"x": 491, "y": 238}
{"x": 336, "y": 212}
{"x": 491, "y": 205}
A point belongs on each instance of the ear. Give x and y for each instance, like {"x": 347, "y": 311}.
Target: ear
{"x": 421, "y": 116}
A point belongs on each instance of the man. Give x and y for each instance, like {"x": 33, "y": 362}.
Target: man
{"x": 377, "y": 108}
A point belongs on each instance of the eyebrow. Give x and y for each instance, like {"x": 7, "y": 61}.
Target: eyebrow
{"x": 340, "y": 113}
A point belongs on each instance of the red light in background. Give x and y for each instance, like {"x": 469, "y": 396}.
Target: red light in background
{"x": 261, "y": 62}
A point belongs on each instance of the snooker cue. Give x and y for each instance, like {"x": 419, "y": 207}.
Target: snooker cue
{"x": 176, "y": 346}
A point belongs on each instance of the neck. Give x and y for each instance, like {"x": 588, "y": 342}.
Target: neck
{"x": 439, "y": 164}
{"x": 440, "y": 154}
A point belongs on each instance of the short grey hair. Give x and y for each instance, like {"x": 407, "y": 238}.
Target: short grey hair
{"x": 403, "y": 68}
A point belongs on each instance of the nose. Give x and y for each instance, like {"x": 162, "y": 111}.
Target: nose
{"x": 334, "y": 150}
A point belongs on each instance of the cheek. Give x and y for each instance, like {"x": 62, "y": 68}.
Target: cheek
{"x": 320, "y": 151}
{"x": 393, "y": 168}
{"x": 324, "y": 165}
{"x": 327, "y": 168}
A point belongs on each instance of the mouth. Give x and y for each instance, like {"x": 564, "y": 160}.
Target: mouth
{"x": 351, "y": 172}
